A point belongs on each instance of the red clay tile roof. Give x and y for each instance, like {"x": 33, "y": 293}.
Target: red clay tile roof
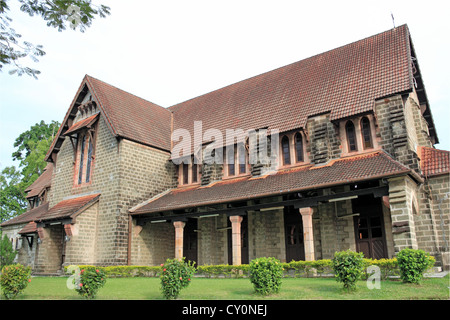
{"x": 69, "y": 208}
{"x": 433, "y": 161}
{"x": 342, "y": 171}
{"x": 82, "y": 124}
{"x": 28, "y": 216}
{"x": 31, "y": 227}
{"x": 132, "y": 117}
{"x": 127, "y": 115}
{"x": 344, "y": 81}
{"x": 44, "y": 181}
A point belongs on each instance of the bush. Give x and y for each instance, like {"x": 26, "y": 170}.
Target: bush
{"x": 266, "y": 275}
{"x": 14, "y": 279}
{"x": 90, "y": 280}
{"x": 176, "y": 275}
{"x": 348, "y": 267}
{"x": 413, "y": 263}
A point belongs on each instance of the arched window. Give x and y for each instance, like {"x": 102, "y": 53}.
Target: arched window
{"x": 286, "y": 151}
{"x": 298, "y": 147}
{"x": 366, "y": 133}
{"x": 351, "y": 136}
{"x": 185, "y": 173}
{"x": 80, "y": 171}
{"x": 230, "y": 161}
{"x": 242, "y": 159}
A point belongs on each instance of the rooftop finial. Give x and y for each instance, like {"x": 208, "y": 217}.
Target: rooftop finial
{"x": 393, "y": 20}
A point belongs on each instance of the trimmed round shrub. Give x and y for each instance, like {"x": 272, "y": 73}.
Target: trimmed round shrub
{"x": 176, "y": 275}
{"x": 348, "y": 267}
{"x": 14, "y": 279}
{"x": 413, "y": 263}
{"x": 266, "y": 275}
{"x": 90, "y": 281}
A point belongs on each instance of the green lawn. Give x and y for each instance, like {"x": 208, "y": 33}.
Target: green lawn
{"x": 54, "y": 288}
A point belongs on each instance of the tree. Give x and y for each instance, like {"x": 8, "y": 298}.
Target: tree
{"x": 32, "y": 146}
{"x": 7, "y": 253}
{"x": 12, "y": 195}
{"x": 57, "y": 14}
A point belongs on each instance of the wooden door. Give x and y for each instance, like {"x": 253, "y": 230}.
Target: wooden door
{"x": 369, "y": 227}
{"x": 190, "y": 245}
{"x": 293, "y": 227}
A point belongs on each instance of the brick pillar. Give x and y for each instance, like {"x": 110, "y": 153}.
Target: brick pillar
{"x": 308, "y": 236}
{"x": 236, "y": 239}
{"x": 179, "y": 227}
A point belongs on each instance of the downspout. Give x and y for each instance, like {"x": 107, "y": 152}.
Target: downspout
{"x": 130, "y": 229}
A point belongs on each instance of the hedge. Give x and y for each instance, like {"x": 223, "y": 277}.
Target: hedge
{"x": 318, "y": 268}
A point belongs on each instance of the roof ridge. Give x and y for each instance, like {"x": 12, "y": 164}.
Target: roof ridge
{"x": 127, "y": 92}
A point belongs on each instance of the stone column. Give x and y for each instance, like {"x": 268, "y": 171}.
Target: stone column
{"x": 236, "y": 239}
{"x": 308, "y": 237}
{"x": 179, "y": 228}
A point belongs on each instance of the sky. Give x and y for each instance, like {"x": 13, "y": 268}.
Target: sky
{"x": 170, "y": 51}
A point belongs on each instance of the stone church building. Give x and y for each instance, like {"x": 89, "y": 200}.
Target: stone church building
{"x": 351, "y": 164}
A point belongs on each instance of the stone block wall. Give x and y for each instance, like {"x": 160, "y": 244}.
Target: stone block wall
{"x": 212, "y": 240}
{"x": 49, "y": 251}
{"x": 81, "y": 249}
{"x": 125, "y": 173}
{"x": 324, "y": 141}
{"x": 433, "y": 218}
{"x": 266, "y": 236}
{"x": 397, "y": 134}
{"x": 152, "y": 244}
{"x": 402, "y": 192}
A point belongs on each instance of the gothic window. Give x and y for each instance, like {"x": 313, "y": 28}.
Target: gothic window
{"x": 235, "y": 160}
{"x": 194, "y": 173}
{"x": 80, "y": 170}
{"x": 188, "y": 172}
{"x": 285, "y": 149}
{"x": 230, "y": 162}
{"x": 298, "y": 147}
{"x": 185, "y": 173}
{"x": 366, "y": 133}
{"x": 242, "y": 159}
{"x": 85, "y": 157}
{"x": 351, "y": 136}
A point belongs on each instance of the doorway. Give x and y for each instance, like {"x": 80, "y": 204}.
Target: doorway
{"x": 293, "y": 228}
{"x": 190, "y": 241}
{"x": 369, "y": 227}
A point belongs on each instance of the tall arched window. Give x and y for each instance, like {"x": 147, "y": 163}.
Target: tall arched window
{"x": 366, "y": 133}
{"x": 298, "y": 147}
{"x": 351, "y": 136}
{"x": 286, "y": 151}
{"x": 80, "y": 171}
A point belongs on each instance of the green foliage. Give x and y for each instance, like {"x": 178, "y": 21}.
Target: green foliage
{"x": 7, "y": 253}
{"x": 57, "y": 14}
{"x": 266, "y": 275}
{"x": 224, "y": 270}
{"x": 90, "y": 280}
{"x": 175, "y": 276}
{"x": 413, "y": 263}
{"x": 14, "y": 279}
{"x": 348, "y": 267}
{"x": 12, "y": 195}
